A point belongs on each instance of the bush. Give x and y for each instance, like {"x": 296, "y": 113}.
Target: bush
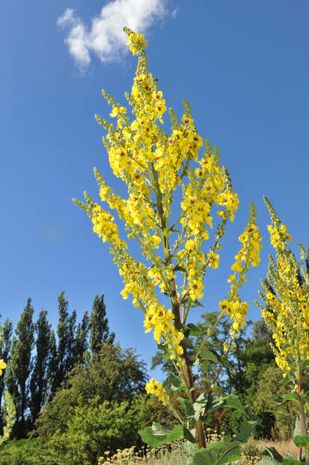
{"x": 25, "y": 452}
{"x": 95, "y": 428}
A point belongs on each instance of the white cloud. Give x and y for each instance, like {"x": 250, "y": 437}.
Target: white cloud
{"x": 105, "y": 37}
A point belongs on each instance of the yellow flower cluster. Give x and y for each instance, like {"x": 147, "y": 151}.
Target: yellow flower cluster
{"x": 249, "y": 254}
{"x": 160, "y": 320}
{"x": 157, "y": 318}
{"x": 237, "y": 311}
{"x": 194, "y": 261}
{"x": 278, "y": 235}
{"x": 2, "y": 366}
{"x": 136, "y": 42}
{"x": 158, "y": 168}
{"x": 286, "y": 299}
{"x": 209, "y": 186}
{"x": 155, "y": 388}
{"x": 104, "y": 226}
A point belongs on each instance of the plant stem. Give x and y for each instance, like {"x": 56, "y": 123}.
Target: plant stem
{"x": 186, "y": 368}
{"x": 302, "y": 414}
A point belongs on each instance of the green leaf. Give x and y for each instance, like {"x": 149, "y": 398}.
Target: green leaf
{"x": 301, "y": 441}
{"x": 246, "y": 430}
{"x": 187, "y": 407}
{"x": 189, "y": 436}
{"x": 157, "y": 435}
{"x": 208, "y": 355}
{"x": 196, "y": 303}
{"x": 232, "y": 401}
{"x": 194, "y": 330}
{"x": 288, "y": 397}
{"x": 218, "y": 454}
{"x": 174, "y": 382}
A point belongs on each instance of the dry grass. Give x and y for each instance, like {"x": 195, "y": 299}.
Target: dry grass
{"x": 166, "y": 455}
{"x": 177, "y": 454}
{"x": 283, "y": 447}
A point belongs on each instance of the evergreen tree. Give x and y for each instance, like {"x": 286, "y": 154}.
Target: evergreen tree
{"x": 39, "y": 377}
{"x": 64, "y": 357}
{"x": 81, "y": 342}
{"x": 99, "y": 327}
{"x": 20, "y": 366}
{"x": 53, "y": 364}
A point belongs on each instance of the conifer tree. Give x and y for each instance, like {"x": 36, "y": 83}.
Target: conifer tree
{"x": 99, "y": 327}
{"x": 81, "y": 342}
{"x": 64, "y": 356}
{"x": 39, "y": 377}
{"x": 20, "y": 365}
{"x": 53, "y": 364}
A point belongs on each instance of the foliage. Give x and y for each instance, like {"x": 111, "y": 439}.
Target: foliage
{"x": 278, "y": 418}
{"x": 99, "y": 408}
{"x": 95, "y": 427}
{"x": 19, "y": 366}
{"x": 25, "y": 452}
{"x": 99, "y": 328}
{"x": 39, "y": 375}
{"x": 38, "y": 361}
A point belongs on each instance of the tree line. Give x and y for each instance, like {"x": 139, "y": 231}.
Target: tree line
{"x": 39, "y": 359}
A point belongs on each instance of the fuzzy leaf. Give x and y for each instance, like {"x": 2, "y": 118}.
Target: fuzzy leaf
{"x": 232, "y": 401}
{"x": 157, "y": 435}
{"x": 246, "y": 429}
{"x": 218, "y": 454}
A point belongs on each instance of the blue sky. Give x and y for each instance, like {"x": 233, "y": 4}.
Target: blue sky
{"x": 242, "y": 65}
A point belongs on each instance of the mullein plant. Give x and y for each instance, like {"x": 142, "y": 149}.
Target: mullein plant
{"x": 178, "y": 202}
{"x": 285, "y": 310}
{"x": 9, "y": 410}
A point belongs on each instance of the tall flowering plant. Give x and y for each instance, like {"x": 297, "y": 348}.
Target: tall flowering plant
{"x": 178, "y": 202}
{"x": 285, "y": 310}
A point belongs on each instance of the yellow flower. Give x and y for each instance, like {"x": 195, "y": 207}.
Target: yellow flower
{"x": 155, "y": 241}
{"x": 136, "y": 42}
{"x": 213, "y": 259}
{"x": 2, "y": 366}
{"x": 155, "y": 388}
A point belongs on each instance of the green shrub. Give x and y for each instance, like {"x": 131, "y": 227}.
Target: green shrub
{"x": 25, "y": 452}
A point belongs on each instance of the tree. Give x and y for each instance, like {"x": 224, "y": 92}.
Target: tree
{"x": 64, "y": 356}
{"x": 81, "y": 340}
{"x": 20, "y": 366}
{"x": 94, "y": 428}
{"x": 99, "y": 407}
{"x": 99, "y": 327}
{"x": 159, "y": 168}
{"x": 39, "y": 376}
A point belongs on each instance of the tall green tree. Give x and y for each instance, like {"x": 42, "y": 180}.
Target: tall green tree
{"x": 64, "y": 355}
{"x": 99, "y": 327}
{"x": 20, "y": 366}
{"x": 81, "y": 340}
{"x": 39, "y": 376}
